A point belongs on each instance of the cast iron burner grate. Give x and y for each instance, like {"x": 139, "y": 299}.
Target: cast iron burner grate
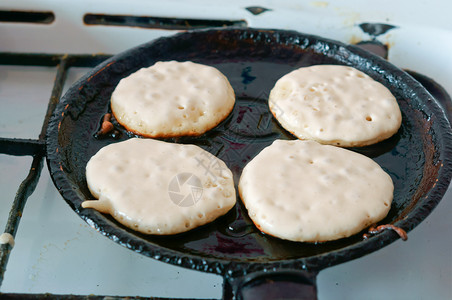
{"x": 36, "y": 147}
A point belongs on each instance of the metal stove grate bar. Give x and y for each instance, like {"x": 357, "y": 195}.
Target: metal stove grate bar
{"x": 36, "y": 148}
{"x": 158, "y": 23}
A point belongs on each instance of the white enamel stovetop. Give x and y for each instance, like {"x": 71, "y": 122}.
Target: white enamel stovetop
{"x": 56, "y": 252}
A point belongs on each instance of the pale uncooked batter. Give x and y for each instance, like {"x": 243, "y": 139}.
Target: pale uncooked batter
{"x": 335, "y": 105}
{"x": 172, "y": 99}
{"x": 304, "y": 191}
{"x": 159, "y": 188}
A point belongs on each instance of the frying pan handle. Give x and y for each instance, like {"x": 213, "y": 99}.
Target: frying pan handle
{"x": 274, "y": 284}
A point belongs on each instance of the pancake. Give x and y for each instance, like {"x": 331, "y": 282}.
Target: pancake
{"x": 171, "y": 99}
{"x": 156, "y": 187}
{"x": 336, "y": 105}
{"x": 307, "y": 192}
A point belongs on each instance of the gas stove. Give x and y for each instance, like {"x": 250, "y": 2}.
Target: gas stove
{"x": 56, "y": 252}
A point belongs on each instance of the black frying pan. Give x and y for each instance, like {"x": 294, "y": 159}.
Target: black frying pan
{"x": 418, "y": 157}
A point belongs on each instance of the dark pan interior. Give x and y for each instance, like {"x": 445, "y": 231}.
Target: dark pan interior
{"x": 416, "y": 157}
